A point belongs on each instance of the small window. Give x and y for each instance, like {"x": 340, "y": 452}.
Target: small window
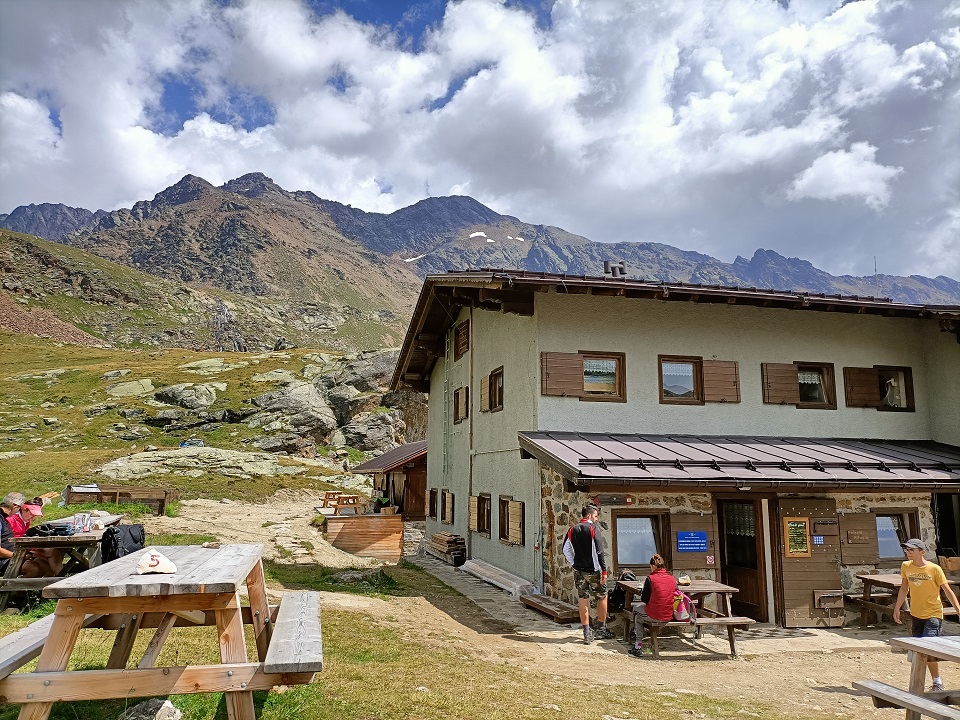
{"x": 588, "y": 375}
{"x": 893, "y": 528}
{"x": 636, "y": 538}
{"x": 433, "y": 503}
{"x": 461, "y": 339}
{"x": 496, "y": 390}
{"x": 896, "y": 388}
{"x": 461, "y": 405}
{"x": 806, "y": 385}
{"x": 480, "y": 514}
{"x": 510, "y": 513}
{"x": 446, "y": 507}
{"x": 681, "y": 380}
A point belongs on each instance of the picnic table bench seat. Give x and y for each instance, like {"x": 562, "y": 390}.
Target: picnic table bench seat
{"x": 296, "y": 645}
{"x": 889, "y": 696}
{"x": 730, "y": 623}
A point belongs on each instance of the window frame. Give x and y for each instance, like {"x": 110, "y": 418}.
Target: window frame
{"x": 457, "y": 417}
{"x": 432, "y": 507}
{"x": 697, "y": 363}
{"x": 484, "y": 506}
{"x": 907, "y": 389}
{"x": 829, "y": 383}
{"x": 910, "y": 522}
{"x": 461, "y": 339}
{"x": 503, "y": 521}
{"x": 620, "y": 379}
{"x": 443, "y": 506}
{"x": 495, "y": 395}
{"x": 661, "y": 533}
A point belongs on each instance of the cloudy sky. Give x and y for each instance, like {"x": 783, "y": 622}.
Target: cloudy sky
{"x": 815, "y": 128}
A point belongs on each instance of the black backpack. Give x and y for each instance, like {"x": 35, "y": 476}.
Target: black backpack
{"x": 121, "y": 540}
{"x": 50, "y": 530}
{"x": 618, "y": 597}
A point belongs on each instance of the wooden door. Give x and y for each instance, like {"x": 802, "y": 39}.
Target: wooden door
{"x": 741, "y": 556}
{"x": 415, "y": 493}
{"x": 815, "y": 568}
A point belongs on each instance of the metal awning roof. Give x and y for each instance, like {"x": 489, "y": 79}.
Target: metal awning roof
{"x": 758, "y": 463}
{"x": 392, "y": 459}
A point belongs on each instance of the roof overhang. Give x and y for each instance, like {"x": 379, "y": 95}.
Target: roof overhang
{"x": 394, "y": 459}
{"x": 714, "y": 463}
{"x": 513, "y": 291}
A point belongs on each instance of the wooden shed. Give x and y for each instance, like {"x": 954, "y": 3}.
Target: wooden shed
{"x": 401, "y": 475}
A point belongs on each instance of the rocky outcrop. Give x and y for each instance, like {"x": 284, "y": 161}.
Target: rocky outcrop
{"x": 190, "y": 396}
{"x": 298, "y": 407}
{"x": 196, "y": 461}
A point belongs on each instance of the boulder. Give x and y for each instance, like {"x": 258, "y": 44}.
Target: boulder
{"x": 100, "y": 409}
{"x": 347, "y": 402}
{"x": 188, "y": 395}
{"x": 194, "y": 461}
{"x": 278, "y": 376}
{"x": 298, "y": 407}
{"x": 165, "y": 417}
{"x": 114, "y": 374}
{"x": 367, "y": 372}
{"x": 153, "y": 709}
{"x": 376, "y": 432}
{"x": 130, "y": 388}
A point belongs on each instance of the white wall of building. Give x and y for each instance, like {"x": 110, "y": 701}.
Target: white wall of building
{"x": 942, "y": 369}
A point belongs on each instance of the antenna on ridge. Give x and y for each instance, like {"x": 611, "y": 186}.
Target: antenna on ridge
{"x": 876, "y": 279}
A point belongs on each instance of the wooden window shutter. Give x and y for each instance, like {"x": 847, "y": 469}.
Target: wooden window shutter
{"x": 485, "y": 393}
{"x": 474, "y": 515}
{"x": 861, "y": 387}
{"x": 448, "y": 507}
{"x": 561, "y": 374}
{"x": 781, "y": 384}
{"x": 721, "y": 381}
{"x": 858, "y": 539}
{"x": 461, "y": 339}
{"x": 515, "y": 513}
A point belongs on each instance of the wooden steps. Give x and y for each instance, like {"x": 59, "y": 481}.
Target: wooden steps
{"x": 450, "y": 548}
{"x": 516, "y": 586}
{"x": 557, "y": 610}
{"x": 377, "y": 536}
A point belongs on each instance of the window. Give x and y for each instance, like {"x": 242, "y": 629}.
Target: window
{"x": 433, "y": 503}
{"x": 491, "y": 391}
{"x": 461, "y": 339}
{"x": 637, "y": 537}
{"x": 806, "y": 385}
{"x": 588, "y": 375}
{"x": 694, "y": 381}
{"x": 461, "y": 405}
{"x": 896, "y": 388}
{"x": 510, "y": 513}
{"x": 446, "y": 507}
{"x": 895, "y": 526}
{"x": 480, "y": 514}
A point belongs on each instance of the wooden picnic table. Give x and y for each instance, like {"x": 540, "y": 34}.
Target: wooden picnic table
{"x": 698, "y": 590}
{"x": 81, "y": 551}
{"x": 879, "y": 595}
{"x": 348, "y": 501}
{"x": 205, "y": 590}
{"x": 914, "y": 700}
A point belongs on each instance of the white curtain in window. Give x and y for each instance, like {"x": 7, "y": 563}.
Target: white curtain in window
{"x": 810, "y": 377}
{"x": 677, "y": 369}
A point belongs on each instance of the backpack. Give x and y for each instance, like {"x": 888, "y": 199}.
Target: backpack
{"x": 683, "y": 607}
{"x": 50, "y": 530}
{"x": 618, "y": 596}
{"x": 121, "y": 540}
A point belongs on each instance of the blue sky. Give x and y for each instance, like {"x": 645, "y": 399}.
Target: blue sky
{"x": 816, "y": 128}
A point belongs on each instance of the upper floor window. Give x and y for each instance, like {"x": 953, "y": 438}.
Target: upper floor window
{"x": 461, "y": 405}
{"x": 511, "y": 520}
{"x": 804, "y": 384}
{"x": 479, "y": 520}
{"x": 446, "y": 507}
{"x": 884, "y": 387}
{"x": 491, "y": 391}
{"x": 694, "y": 381}
{"x": 433, "y": 503}
{"x": 588, "y": 375}
{"x": 461, "y": 339}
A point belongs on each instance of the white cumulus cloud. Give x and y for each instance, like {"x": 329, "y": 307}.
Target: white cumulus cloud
{"x": 846, "y": 173}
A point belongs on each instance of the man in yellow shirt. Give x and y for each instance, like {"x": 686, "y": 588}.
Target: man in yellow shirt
{"x": 924, "y": 581}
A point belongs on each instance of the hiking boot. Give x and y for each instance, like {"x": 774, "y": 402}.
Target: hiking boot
{"x": 587, "y": 635}
{"x": 603, "y": 633}
{"x": 936, "y": 687}
{"x": 635, "y": 651}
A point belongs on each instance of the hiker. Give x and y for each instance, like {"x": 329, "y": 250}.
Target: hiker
{"x": 8, "y": 506}
{"x": 20, "y": 521}
{"x": 923, "y": 580}
{"x": 656, "y": 601}
{"x": 583, "y": 549}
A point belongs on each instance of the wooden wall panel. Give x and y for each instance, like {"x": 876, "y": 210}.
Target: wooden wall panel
{"x": 688, "y": 522}
{"x": 858, "y": 539}
{"x": 377, "y": 536}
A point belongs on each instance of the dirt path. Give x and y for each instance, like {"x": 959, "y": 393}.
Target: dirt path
{"x": 815, "y": 684}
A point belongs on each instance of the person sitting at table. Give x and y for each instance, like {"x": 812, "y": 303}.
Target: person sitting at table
{"x": 42, "y": 562}
{"x": 9, "y": 506}
{"x": 656, "y": 601}
{"x": 923, "y": 580}
{"x": 20, "y": 521}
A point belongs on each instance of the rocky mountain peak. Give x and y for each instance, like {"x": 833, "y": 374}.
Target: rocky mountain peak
{"x": 253, "y": 185}
{"x": 189, "y": 188}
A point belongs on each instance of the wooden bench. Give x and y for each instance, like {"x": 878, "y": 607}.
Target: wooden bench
{"x": 296, "y": 644}
{"x": 157, "y": 498}
{"x": 730, "y": 623}
{"x": 20, "y": 647}
{"x": 557, "y": 610}
{"x": 885, "y": 607}
{"x": 889, "y": 696}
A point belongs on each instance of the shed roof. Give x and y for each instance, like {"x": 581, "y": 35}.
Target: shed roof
{"x": 392, "y": 459}
{"x": 757, "y": 463}
{"x": 442, "y": 296}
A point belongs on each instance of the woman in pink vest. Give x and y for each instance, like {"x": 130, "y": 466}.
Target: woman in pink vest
{"x": 656, "y": 601}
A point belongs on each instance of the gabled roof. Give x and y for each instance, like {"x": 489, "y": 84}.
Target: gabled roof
{"x": 442, "y": 297}
{"x": 392, "y": 459}
{"x": 757, "y": 463}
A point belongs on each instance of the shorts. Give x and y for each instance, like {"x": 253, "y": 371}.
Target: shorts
{"x": 927, "y": 627}
{"x": 590, "y": 586}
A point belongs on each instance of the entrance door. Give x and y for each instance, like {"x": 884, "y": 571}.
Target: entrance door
{"x": 741, "y": 556}
{"x": 415, "y": 493}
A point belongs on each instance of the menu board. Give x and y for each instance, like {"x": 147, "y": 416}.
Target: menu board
{"x": 796, "y": 537}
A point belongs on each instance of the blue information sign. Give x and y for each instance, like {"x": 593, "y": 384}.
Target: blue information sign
{"x": 693, "y": 541}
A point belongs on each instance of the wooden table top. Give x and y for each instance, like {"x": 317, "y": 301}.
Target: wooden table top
{"x": 943, "y": 648}
{"x": 696, "y": 587}
{"x": 199, "y": 570}
{"x": 893, "y": 581}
